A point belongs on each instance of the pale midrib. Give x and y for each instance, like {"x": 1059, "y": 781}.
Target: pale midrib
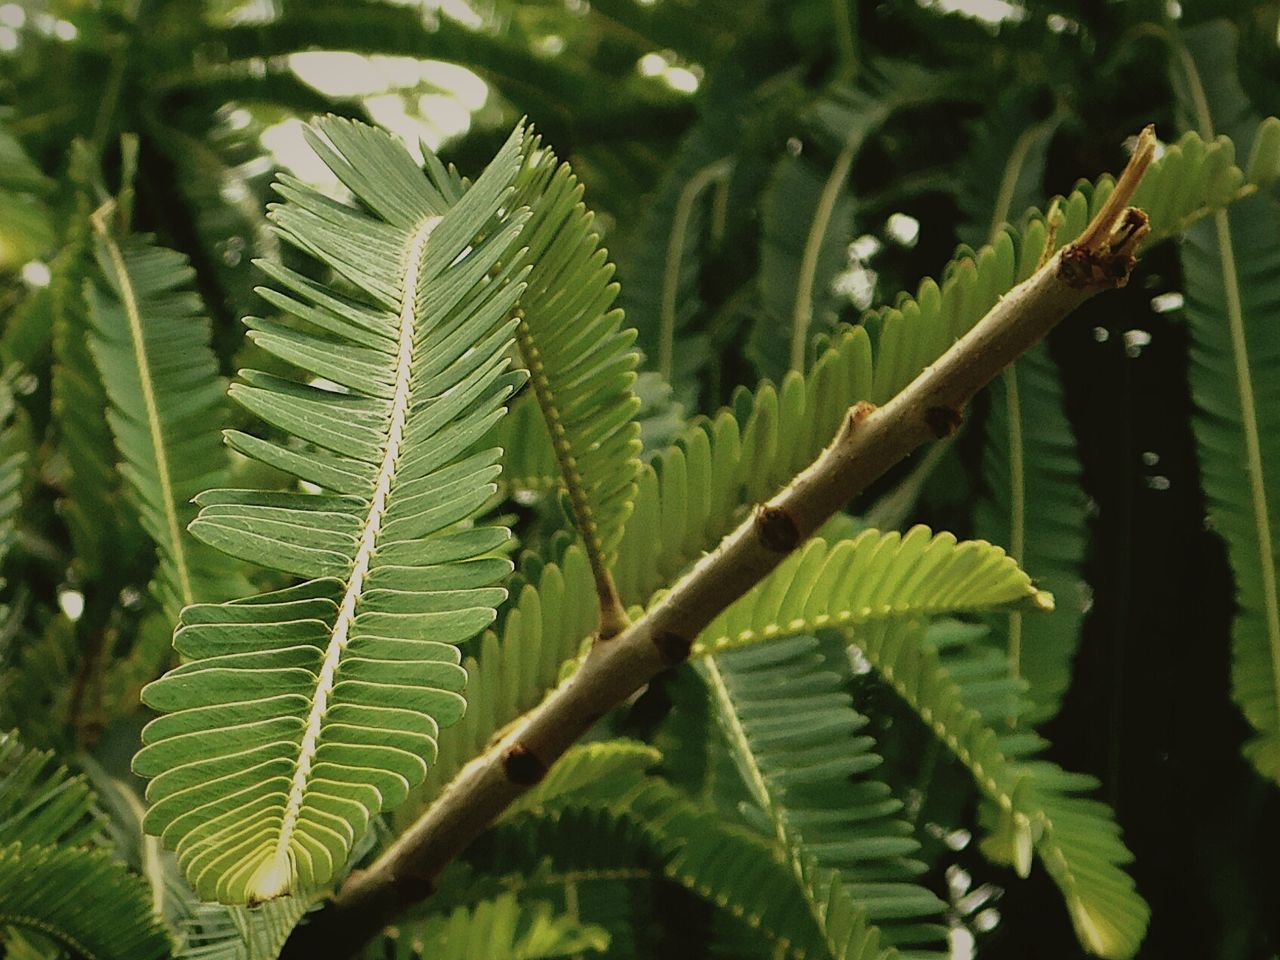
{"x": 802, "y": 311}
{"x": 274, "y": 877}
{"x": 41, "y": 925}
{"x": 757, "y": 784}
{"x": 1046, "y": 845}
{"x": 1244, "y": 386}
{"x": 1013, "y": 405}
{"x": 670, "y": 295}
{"x": 128, "y": 299}
{"x": 1253, "y": 446}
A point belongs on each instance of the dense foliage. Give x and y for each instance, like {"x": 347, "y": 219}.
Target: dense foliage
{"x": 266, "y": 594}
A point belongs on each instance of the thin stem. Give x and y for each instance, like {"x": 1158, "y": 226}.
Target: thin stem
{"x": 1234, "y": 304}
{"x": 174, "y": 529}
{"x": 869, "y": 442}
{"x": 802, "y": 310}
{"x": 613, "y": 615}
{"x": 670, "y": 302}
{"x": 842, "y": 16}
{"x": 1017, "y": 504}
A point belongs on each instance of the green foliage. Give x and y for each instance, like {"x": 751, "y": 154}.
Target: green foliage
{"x": 55, "y": 880}
{"x": 964, "y": 698}
{"x": 161, "y": 379}
{"x": 1232, "y": 268}
{"x": 580, "y": 362}
{"x": 501, "y": 928}
{"x": 80, "y": 899}
{"x": 1035, "y": 505}
{"x": 750, "y": 166}
{"x": 338, "y": 698}
{"x": 871, "y": 577}
{"x": 791, "y": 729}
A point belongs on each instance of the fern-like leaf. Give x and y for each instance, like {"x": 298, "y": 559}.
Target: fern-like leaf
{"x": 962, "y": 692}
{"x": 41, "y": 802}
{"x": 152, "y": 351}
{"x": 55, "y": 878}
{"x": 793, "y": 732}
{"x": 504, "y": 928}
{"x": 1231, "y": 267}
{"x": 871, "y": 577}
{"x": 1036, "y": 508}
{"x": 514, "y": 668}
{"x": 83, "y": 900}
{"x": 304, "y": 712}
{"x": 580, "y": 361}
{"x": 14, "y": 455}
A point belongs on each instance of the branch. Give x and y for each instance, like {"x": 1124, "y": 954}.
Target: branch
{"x": 870, "y": 441}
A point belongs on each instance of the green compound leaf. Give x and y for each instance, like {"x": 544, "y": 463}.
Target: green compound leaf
{"x": 302, "y": 713}
{"x": 873, "y": 576}
{"x": 151, "y": 347}
{"x": 83, "y": 900}
{"x": 580, "y": 359}
{"x": 963, "y": 694}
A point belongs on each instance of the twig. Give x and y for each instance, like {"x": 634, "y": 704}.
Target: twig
{"x": 869, "y": 442}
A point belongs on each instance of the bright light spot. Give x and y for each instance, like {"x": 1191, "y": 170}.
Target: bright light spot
{"x": 652, "y": 64}
{"x": 343, "y": 74}
{"x": 1131, "y": 144}
{"x": 550, "y": 45}
{"x": 338, "y": 74}
{"x": 858, "y": 662}
{"x": 678, "y": 78}
{"x": 72, "y": 604}
{"x": 444, "y": 118}
{"x": 239, "y": 118}
{"x": 988, "y": 11}
{"x": 1134, "y": 341}
{"x": 865, "y": 247}
{"x": 1101, "y": 334}
{"x": 459, "y": 11}
{"x": 12, "y": 15}
{"x": 65, "y": 30}
{"x": 286, "y": 143}
{"x": 233, "y": 191}
{"x": 1173, "y": 9}
{"x": 8, "y": 39}
{"x": 1167, "y": 302}
{"x": 1149, "y": 458}
{"x": 794, "y": 146}
{"x": 987, "y": 920}
{"x": 958, "y": 880}
{"x": 960, "y": 944}
{"x": 958, "y": 839}
{"x": 857, "y": 285}
{"x": 36, "y": 274}
{"x": 1057, "y": 23}
{"x": 1158, "y": 483}
{"x": 903, "y": 229}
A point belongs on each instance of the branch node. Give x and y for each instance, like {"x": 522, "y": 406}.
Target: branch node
{"x": 943, "y": 421}
{"x": 522, "y": 766}
{"x": 854, "y": 418}
{"x": 673, "y": 648}
{"x": 776, "y": 528}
